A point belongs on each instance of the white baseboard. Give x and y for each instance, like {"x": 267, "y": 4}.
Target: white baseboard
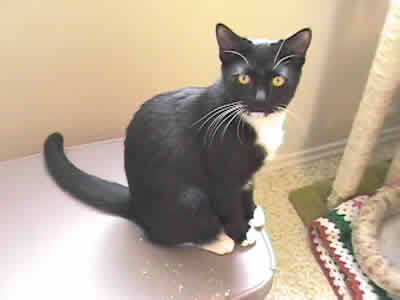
{"x": 388, "y": 135}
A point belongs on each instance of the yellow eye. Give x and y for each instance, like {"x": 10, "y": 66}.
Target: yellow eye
{"x": 244, "y": 79}
{"x": 278, "y": 81}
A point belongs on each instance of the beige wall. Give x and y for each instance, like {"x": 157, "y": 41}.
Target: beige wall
{"x": 84, "y": 67}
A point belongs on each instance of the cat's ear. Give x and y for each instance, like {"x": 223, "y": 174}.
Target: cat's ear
{"x": 227, "y": 39}
{"x": 231, "y": 45}
{"x": 298, "y": 43}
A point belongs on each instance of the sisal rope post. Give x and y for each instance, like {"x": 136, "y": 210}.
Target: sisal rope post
{"x": 375, "y": 103}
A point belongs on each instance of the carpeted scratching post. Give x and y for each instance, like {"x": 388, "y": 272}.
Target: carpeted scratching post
{"x": 376, "y": 101}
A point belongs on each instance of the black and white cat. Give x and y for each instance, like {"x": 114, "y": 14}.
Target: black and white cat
{"x": 191, "y": 154}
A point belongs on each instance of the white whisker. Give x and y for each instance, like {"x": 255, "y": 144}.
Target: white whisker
{"x": 284, "y": 59}
{"x": 216, "y": 124}
{"x": 215, "y": 116}
{"x": 221, "y": 115}
{"x": 240, "y": 126}
{"x": 279, "y": 51}
{"x": 291, "y": 114}
{"x": 214, "y": 111}
{"x": 239, "y": 54}
{"x": 235, "y": 115}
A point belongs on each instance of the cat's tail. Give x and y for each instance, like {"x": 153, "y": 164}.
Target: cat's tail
{"x": 107, "y": 196}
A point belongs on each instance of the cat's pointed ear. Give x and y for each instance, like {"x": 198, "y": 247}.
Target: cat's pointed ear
{"x": 227, "y": 39}
{"x": 298, "y": 43}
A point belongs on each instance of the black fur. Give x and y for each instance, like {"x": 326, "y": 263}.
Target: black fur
{"x": 106, "y": 196}
{"x": 184, "y": 185}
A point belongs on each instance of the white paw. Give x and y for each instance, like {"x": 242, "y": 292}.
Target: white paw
{"x": 251, "y": 238}
{"x": 258, "y": 219}
{"x": 221, "y": 246}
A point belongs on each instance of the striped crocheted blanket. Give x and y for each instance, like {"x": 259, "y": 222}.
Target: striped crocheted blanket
{"x": 332, "y": 247}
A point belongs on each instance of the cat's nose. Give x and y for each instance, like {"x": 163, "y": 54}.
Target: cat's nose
{"x": 261, "y": 96}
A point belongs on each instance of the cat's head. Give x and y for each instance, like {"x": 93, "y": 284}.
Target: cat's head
{"x": 262, "y": 74}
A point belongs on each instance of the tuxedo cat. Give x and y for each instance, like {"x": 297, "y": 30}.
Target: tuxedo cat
{"x": 190, "y": 155}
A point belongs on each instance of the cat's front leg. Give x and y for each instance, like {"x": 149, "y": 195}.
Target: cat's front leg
{"x": 254, "y": 214}
{"x": 247, "y": 200}
{"x": 229, "y": 208}
{"x": 237, "y": 229}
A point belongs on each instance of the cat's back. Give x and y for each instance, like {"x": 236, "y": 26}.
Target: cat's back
{"x": 165, "y": 119}
{"x": 173, "y": 106}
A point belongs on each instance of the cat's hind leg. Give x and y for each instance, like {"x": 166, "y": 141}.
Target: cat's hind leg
{"x": 204, "y": 223}
{"x": 189, "y": 220}
{"x": 222, "y": 245}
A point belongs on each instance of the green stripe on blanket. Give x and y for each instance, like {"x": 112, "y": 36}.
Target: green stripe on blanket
{"x": 332, "y": 247}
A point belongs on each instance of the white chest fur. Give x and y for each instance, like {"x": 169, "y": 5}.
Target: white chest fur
{"x": 270, "y": 132}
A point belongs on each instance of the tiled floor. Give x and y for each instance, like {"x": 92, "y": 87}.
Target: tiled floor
{"x": 298, "y": 274}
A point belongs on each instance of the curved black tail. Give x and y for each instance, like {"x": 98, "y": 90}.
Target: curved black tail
{"x": 109, "y": 197}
